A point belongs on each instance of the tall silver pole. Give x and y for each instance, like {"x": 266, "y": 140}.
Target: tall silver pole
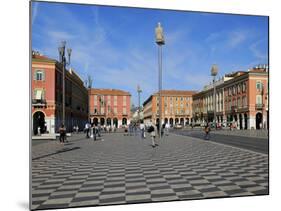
{"x": 63, "y": 90}
{"x": 215, "y": 118}
{"x": 214, "y": 72}
{"x": 139, "y": 106}
{"x": 160, "y": 41}
{"x": 160, "y": 89}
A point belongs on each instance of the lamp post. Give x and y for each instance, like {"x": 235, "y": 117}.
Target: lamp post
{"x": 64, "y": 63}
{"x": 160, "y": 41}
{"x": 139, "y": 91}
{"x": 214, "y": 72}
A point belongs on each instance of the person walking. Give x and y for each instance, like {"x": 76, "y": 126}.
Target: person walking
{"x": 99, "y": 130}
{"x": 62, "y": 132}
{"x": 152, "y": 130}
{"x": 167, "y": 127}
{"x": 157, "y": 127}
{"x": 93, "y": 132}
{"x": 87, "y": 129}
{"x": 135, "y": 129}
{"x": 142, "y": 130}
{"x": 207, "y": 131}
{"x": 162, "y": 130}
{"x": 77, "y": 129}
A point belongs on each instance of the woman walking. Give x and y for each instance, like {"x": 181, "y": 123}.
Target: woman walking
{"x": 62, "y": 131}
{"x": 152, "y": 131}
{"x": 207, "y": 132}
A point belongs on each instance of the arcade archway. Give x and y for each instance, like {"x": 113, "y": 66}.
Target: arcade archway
{"x": 258, "y": 121}
{"x": 38, "y": 121}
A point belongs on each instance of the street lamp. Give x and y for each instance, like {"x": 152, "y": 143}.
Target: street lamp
{"x": 64, "y": 63}
{"x": 160, "y": 41}
{"x": 214, "y": 72}
{"x": 139, "y": 91}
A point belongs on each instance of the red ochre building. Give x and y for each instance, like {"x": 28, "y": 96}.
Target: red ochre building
{"x": 241, "y": 98}
{"x": 176, "y": 107}
{"x": 109, "y": 107}
{"x": 47, "y": 96}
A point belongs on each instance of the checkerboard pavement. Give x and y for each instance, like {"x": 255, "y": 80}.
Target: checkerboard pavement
{"x": 125, "y": 169}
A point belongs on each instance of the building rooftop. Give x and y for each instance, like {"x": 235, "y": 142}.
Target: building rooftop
{"x": 108, "y": 92}
{"x": 173, "y": 92}
{"x": 38, "y": 55}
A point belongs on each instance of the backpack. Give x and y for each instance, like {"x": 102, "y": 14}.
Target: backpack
{"x": 150, "y": 129}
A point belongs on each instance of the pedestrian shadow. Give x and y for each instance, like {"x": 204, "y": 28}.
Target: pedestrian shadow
{"x": 67, "y": 144}
{"x": 57, "y": 152}
{"x": 97, "y": 139}
{"x": 153, "y": 152}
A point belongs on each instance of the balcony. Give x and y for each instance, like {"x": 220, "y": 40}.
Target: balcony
{"x": 39, "y": 102}
{"x": 259, "y": 106}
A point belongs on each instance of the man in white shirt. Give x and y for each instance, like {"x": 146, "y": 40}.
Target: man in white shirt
{"x": 142, "y": 130}
{"x": 87, "y": 128}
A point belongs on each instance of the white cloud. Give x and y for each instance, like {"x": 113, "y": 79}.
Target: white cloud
{"x": 255, "y": 49}
{"x": 60, "y": 35}
{"x": 236, "y": 38}
{"x": 35, "y": 8}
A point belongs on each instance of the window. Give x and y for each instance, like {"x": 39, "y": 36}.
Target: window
{"x": 259, "y": 85}
{"x": 115, "y": 110}
{"x": 39, "y": 75}
{"x": 124, "y": 100}
{"x": 108, "y": 100}
{"x": 233, "y": 90}
{"x": 95, "y": 100}
{"x": 258, "y": 99}
{"x": 239, "y": 88}
{"x": 229, "y": 91}
{"x": 244, "y": 101}
{"x": 124, "y": 110}
{"x": 102, "y": 100}
{"x": 39, "y": 94}
{"x": 244, "y": 87}
{"x": 239, "y": 102}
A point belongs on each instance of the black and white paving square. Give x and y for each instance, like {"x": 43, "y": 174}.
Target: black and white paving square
{"x": 126, "y": 169}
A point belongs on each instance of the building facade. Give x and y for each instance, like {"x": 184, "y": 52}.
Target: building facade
{"x": 241, "y": 98}
{"x": 109, "y": 107}
{"x": 47, "y": 96}
{"x": 176, "y": 107}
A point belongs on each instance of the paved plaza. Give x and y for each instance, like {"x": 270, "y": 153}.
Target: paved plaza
{"x": 120, "y": 169}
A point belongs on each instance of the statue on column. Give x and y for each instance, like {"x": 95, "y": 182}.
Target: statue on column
{"x": 159, "y": 35}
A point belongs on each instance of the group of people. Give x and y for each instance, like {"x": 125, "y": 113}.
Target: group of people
{"x": 92, "y": 130}
{"x": 152, "y": 129}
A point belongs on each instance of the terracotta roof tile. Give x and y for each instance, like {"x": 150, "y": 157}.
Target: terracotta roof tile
{"x": 42, "y": 57}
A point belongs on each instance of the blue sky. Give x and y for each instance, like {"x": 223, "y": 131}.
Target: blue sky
{"x": 116, "y": 45}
